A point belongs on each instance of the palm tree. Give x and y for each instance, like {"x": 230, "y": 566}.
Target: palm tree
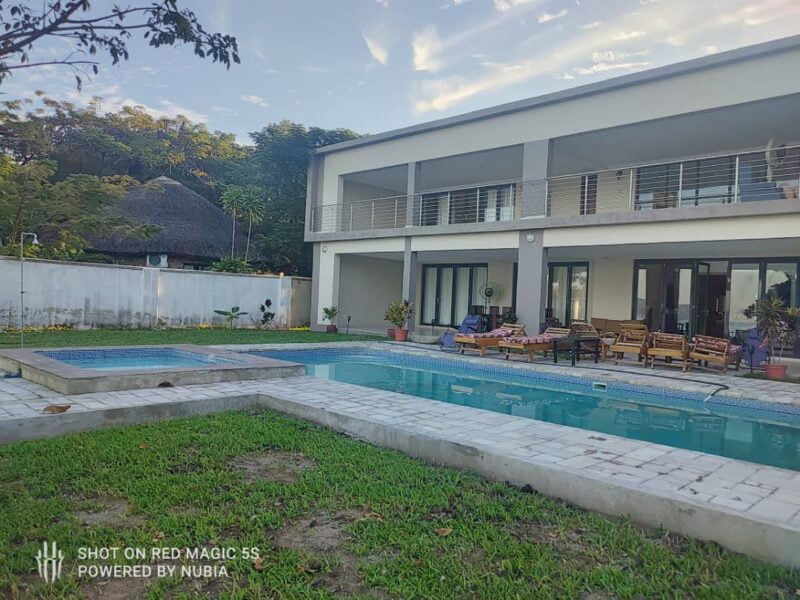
{"x": 253, "y": 208}
{"x": 232, "y": 201}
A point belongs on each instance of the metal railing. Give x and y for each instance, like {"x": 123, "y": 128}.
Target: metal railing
{"x": 753, "y": 176}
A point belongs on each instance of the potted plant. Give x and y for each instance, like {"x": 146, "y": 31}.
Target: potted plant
{"x": 777, "y": 326}
{"x": 330, "y": 313}
{"x": 398, "y": 313}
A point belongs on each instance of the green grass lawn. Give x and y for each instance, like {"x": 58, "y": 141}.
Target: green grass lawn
{"x": 330, "y": 516}
{"x": 129, "y": 337}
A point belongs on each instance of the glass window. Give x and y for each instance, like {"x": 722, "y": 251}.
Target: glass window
{"x": 568, "y": 292}
{"x": 744, "y": 293}
{"x": 496, "y": 203}
{"x": 559, "y": 278}
{"x": 579, "y": 285}
{"x": 781, "y": 282}
{"x": 464, "y": 206}
{"x": 429, "y": 295}
{"x": 657, "y": 186}
{"x": 480, "y": 275}
{"x": 447, "y": 296}
{"x": 641, "y": 294}
{"x": 461, "y": 294}
{"x": 588, "y": 194}
{"x": 708, "y": 181}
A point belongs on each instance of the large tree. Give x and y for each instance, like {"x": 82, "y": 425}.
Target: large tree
{"x": 93, "y": 29}
{"x": 283, "y": 153}
{"x": 64, "y": 213}
{"x": 129, "y": 142}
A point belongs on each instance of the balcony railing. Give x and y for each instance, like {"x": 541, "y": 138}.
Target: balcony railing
{"x": 770, "y": 174}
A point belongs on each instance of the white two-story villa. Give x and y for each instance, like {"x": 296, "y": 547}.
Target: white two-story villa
{"x": 670, "y": 195}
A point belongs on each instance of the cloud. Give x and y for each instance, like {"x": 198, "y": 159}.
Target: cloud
{"x": 507, "y": 5}
{"x": 592, "y": 25}
{"x": 426, "y": 44}
{"x": 253, "y": 99}
{"x": 709, "y": 49}
{"x": 622, "y": 35}
{"x": 383, "y": 3}
{"x": 376, "y": 49}
{"x": 615, "y": 55}
{"x": 112, "y": 101}
{"x": 652, "y": 25}
{"x": 224, "y": 110}
{"x": 546, "y": 17}
{"x": 674, "y": 40}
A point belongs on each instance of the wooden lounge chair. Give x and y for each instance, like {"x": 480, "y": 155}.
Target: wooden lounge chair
{"x": 719, "y": 351}
{"x": 669, "y": 346}
{"x": 632, "y": 340}
{"x": 537, "y": 343}
{"x": 491, "y": 339}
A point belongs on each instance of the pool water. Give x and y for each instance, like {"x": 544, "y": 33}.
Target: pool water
{"x": 744, "y": 430}
{"x": 134, "y": 358}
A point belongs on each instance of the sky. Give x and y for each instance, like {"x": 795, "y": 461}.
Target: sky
{"x": 376, "y": 65}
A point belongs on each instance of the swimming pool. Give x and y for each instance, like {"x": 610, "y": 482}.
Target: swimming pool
{"x": 113, "y": 359}
{"x": 731, "y": 427}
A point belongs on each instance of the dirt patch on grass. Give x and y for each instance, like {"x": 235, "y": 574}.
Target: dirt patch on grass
{"x": 274, "y": 465}
{"x": 116, "y": 589}
{"x": 324, "y": 536}
{"x": 112, "y": 512}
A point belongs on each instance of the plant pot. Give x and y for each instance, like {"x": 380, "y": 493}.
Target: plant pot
{"x": 390, "y": 332}
{"x": 775, "y": 371}
{"x": 331, "y": 329}
{"x": 400, "y": 335}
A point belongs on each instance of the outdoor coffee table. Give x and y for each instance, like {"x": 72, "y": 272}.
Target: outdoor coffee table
{"x": 577, "y": 347}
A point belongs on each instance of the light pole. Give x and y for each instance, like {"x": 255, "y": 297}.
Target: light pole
{"x": 34, "y": 241}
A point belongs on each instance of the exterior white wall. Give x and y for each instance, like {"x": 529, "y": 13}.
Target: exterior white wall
{"x": 766, "y": 77}
{"x": 465, "y": 241}
{"x": 732, "y": 228}
{"x": 366, "y": 287}
{"x": 328, "y": 265}
{"x": 610, "y": 285}
{"x": 503, "y": 275}
{"x": 86, "y": 295}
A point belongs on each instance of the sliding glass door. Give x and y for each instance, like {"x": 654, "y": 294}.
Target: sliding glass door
{"x": 450, "y": 291}
{"x": 568, "y": 292}
{"x": 710, "y": 297}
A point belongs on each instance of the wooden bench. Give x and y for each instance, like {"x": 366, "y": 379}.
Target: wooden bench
{"x": 669, "y": 346}
{"x": 719, "y": 351}
{"x": 633, "y": 339}
{"x": 482, "y": 341}
{"x": 538, "y": 343}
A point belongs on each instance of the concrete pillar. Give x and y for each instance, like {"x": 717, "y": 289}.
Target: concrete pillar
{"x": 411, "y": 187}
{"x": 531, "y": 279}
{"x": 410, "y": 279}
{"x": 535, "y": 160}
{"x": 314, "y": 194}
{"x": 324, "y": 283}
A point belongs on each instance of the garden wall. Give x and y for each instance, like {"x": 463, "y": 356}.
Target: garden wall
{"x": 87, "y": 295}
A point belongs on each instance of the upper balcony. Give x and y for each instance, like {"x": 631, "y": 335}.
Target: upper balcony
{"x": 725, "y": 179}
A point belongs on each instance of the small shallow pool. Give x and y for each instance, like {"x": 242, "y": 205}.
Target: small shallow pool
{"x": 114, "y": 359}
{"x": 740, "y": 429}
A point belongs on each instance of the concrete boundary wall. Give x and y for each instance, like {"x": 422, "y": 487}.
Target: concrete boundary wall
{"x": 85, "y": 295}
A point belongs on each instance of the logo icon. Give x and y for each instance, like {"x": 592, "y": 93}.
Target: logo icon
{"x": 48, "y": 562}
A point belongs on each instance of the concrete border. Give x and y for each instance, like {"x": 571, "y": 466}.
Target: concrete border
{"x": 70, "y": 380}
